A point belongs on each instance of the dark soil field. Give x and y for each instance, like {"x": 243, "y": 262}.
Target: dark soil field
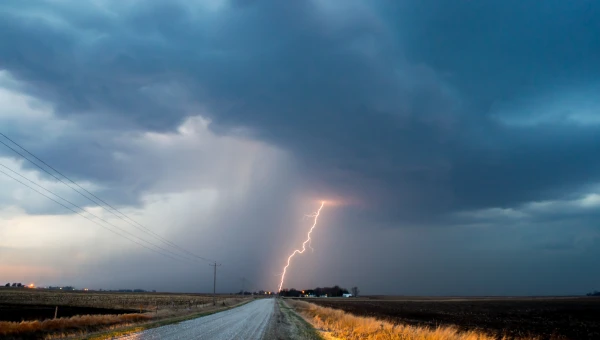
{"x": 15, "y": 312}
{"x": 546, "y": 318}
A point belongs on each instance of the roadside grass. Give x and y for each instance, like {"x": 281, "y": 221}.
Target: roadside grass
{"x": 304, "y": 329}
{"x": 32, "y": 329}
{"x": 127, "y": 330}
{"x": 347, "y": 326}
{"x": 100, "y": 326}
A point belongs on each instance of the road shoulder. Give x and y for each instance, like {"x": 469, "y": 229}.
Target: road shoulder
{"x": 287, "y": 324}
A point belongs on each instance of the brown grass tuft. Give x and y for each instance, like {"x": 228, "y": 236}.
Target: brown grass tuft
{"x": 348, "y": 326}
{"x": 79, "y": 322}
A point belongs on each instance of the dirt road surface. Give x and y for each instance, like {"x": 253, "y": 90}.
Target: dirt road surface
{"x": 246, "y": 322}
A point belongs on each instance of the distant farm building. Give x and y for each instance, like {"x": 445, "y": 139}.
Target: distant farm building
{"x": 347, "y": 295}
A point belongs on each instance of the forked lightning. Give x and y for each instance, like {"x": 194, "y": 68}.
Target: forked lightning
{"x": 297, "y": 251}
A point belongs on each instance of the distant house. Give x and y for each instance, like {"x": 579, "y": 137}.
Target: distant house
{"x": 347, "y": 295}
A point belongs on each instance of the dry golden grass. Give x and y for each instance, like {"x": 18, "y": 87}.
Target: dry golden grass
{"x": 82, "y": 325}
{"x": 347, "y": 326}
{"x": 80, "y": 322}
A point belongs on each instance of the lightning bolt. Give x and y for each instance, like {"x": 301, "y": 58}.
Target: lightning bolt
{"x": 316, "y": 217}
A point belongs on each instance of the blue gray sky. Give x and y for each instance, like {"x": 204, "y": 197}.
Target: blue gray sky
{"x": 457, "y": 142}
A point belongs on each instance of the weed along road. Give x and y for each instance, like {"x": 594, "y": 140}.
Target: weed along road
{"x": 249, "y": 321}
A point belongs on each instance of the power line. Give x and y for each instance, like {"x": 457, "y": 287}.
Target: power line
{"x": 89, "y": 219}
{"x": 82, "y": 209}
{"x": 110, "y": 208}
{"x": 124, "y": 217}
{"x": 85, "y": 196}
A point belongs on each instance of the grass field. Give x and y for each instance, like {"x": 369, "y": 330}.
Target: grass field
{"x": 110, "y": 300}
{"x": 541, "y": 318}
{"x": 337, "y": 324}
{"x": 29, "y": 313}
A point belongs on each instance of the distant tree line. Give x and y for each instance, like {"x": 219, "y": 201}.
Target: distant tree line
{"x": 14, "y": 285}
{"x": 335, "y": 291}
{"x": 244, "y": 292}
{"x": 62, "y": 288}
{"x": 594, "y": 293}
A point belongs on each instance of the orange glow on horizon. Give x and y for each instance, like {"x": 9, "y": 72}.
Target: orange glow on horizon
{"x": 316, "y": 216}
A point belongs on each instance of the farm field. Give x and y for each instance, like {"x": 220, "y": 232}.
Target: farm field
{"x": 29, "y": 313}
{"x": 32, "y": 299}
{"x": 544, "y": 318}
{"x": 17, "y": 313}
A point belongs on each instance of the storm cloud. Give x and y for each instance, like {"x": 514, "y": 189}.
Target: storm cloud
{"x": 447, "y": 124}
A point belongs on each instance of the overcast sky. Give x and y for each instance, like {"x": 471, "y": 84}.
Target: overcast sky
{"x": 457, "y": 143}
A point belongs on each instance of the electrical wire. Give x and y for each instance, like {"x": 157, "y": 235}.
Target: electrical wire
{"x": 91, "y": 220}
{"x": 109, "y": 208}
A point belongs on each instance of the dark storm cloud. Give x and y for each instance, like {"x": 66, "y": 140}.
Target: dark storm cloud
{"x": 391, "y": 105}
{"x": 501, "y": 50}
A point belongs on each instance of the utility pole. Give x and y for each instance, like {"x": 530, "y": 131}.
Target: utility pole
{"x": 215, "y": 283}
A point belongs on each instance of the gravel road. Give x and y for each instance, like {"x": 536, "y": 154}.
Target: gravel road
{"x": 246, "y": 322}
